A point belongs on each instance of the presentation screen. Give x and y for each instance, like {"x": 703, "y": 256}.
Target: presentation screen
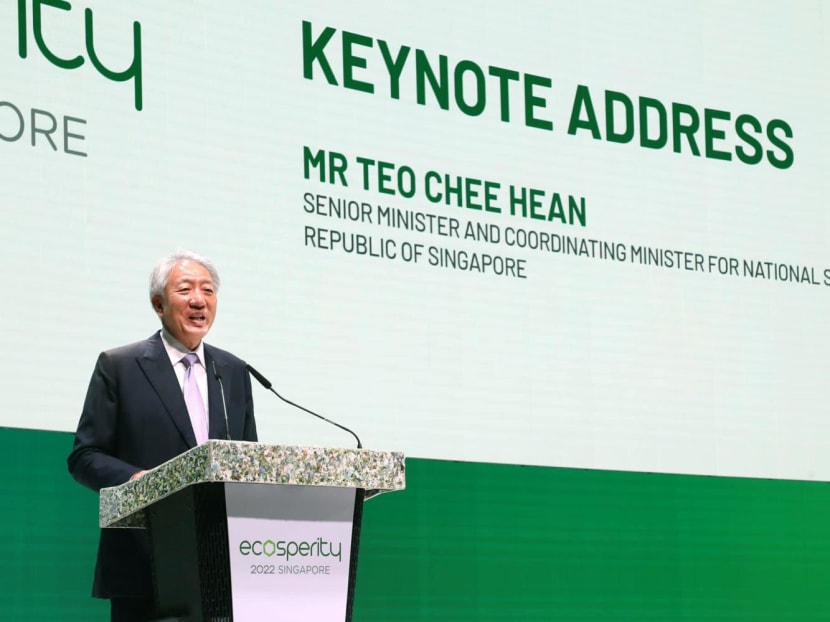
{"x": 588, "y": 235}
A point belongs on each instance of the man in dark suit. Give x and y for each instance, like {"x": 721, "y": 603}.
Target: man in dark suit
{"x": 136, "y": 415}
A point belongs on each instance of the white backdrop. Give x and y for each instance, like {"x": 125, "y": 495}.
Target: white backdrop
{"x": 584, "y": 363}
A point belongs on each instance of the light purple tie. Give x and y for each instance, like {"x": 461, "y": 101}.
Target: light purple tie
{"x": 193, "y": 399}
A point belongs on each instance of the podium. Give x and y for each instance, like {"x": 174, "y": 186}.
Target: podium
{"x": 249, "y": 532}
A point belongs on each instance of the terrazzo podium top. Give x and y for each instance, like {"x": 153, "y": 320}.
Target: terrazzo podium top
{"x": 253, "y": 463}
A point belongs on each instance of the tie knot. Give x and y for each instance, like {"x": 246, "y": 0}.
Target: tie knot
{"x": 190, "y": 359}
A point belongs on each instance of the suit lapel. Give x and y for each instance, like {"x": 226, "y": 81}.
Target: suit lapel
{"x": 156, "y": 366}
{"x": 216, "y": 407}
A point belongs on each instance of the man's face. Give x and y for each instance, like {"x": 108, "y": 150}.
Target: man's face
{"x": 188, "y": 306}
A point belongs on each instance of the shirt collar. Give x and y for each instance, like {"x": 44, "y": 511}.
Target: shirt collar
{"x": 176, "y": 351}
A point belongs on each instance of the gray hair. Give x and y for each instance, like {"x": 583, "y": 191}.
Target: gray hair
{"x": 165, "y": 265}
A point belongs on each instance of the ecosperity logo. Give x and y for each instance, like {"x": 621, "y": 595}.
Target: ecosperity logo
{"x": 133, "y": 72}
{"x": 291, "y": 548}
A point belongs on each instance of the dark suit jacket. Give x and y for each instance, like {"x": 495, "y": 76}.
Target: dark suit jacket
{"x": 135, "y": 418}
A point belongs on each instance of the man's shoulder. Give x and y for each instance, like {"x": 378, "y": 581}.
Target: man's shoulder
{"x": 222, "y": 356}
{"x": 134, "y": 349}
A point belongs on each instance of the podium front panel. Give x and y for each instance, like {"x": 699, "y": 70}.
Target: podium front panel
{"x": 290, "y": 551}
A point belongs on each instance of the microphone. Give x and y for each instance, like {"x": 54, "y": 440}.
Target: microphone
{"x": 265, "y": 383}
{"x": 224, "y": 403}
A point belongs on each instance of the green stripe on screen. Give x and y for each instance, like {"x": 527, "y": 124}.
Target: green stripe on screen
{"x": 488, "y": 542}
{"x": 484, "y": 542}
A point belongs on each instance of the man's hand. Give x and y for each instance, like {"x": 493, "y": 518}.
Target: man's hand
{"x": 137, "y": 475}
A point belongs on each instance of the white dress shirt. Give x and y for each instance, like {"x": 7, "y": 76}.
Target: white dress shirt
{"x": 176, "y": 351}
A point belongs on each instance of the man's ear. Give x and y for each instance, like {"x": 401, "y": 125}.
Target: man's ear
{"x": 158, "y": 305}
